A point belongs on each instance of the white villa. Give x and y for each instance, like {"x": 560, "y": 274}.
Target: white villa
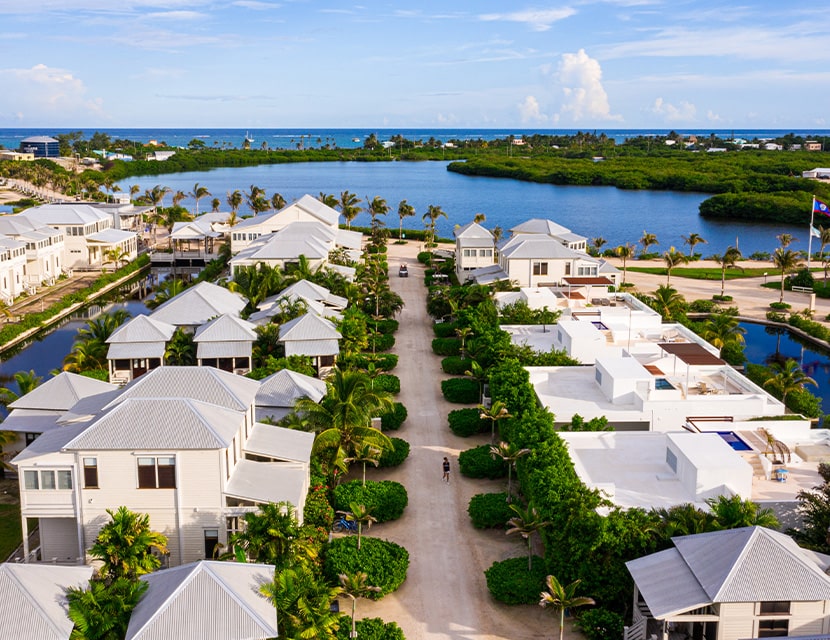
{"x": 44, "y": 253}
{"x": 198, "y": 304}
{"x": 136, "y": 347}
{"x": 317, "y": 300}
{"x": 12, "y": 269}
{"x": 313, "y": 336}
{"x": 731, "y": 585}
{"x": 179, "y": 443}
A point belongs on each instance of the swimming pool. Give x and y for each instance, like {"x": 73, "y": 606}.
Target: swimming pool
{"x": 599, "y": 325}
{"x": 733, "y": 440}
{"x": 662, "y": 384}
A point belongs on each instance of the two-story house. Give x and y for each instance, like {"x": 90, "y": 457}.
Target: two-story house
{"x": 44, "y": 249}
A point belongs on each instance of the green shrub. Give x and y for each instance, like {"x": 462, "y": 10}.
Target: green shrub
{"x": 721, "y": 298}
{"x": 387, "y": 382}
{"x": 446, "y": 346}
{"x": 424, "y": 256}
{"x": 798, "y": 401}
{"x": 702, "y": 306}
{"x": 479, "y": 463}
{"x": 774, "y": 316}
{"x": 455, "y": 365}
{"x": 385, "y": 499}
{"x": 600, "y": 624}
{"x": 382, "y": 361}
{"x": 467, "y": 422}
{"x": 445, "y": 329}
{"x": 381, "y": 341}
{"x": 802, "y": 278}
{"x": 810, "y": 327}
{"x": 779, "y": 306}
{"x": 317, "y": 511}
{"x": 461, "y": 390}
{"x": 385, "y": 563}
{"x": 395, "y": 456}
{"x": 369, "y": 629}
{"x": 388, "y": 325}
{"x": 489, "y": 510}
{"x": 510, "y": 582}
{"x": 392, "y": 420}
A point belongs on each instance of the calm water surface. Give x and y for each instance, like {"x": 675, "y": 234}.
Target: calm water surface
{"x": 616, "y": 215}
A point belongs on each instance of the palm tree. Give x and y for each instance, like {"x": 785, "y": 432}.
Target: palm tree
{"x": 668, "y": 302}
{"x": 277, "y": 201}
{"x": 166, "y": 290}
{"x": 178, "y": 197}
{"x": 349, "y": 207}
{"x": 86, "y": 356}
{"x": 181, "y": 349}
{"x": 198, "y": 193}
{"x": 721, "y": 330}
{"x": 356, "y": 586}
{"x": 682, "y": 520}
{"x": 786, "y": 260}
{"x": 432, "y": 214}
{"x": 134, "y": 189}
{"x": 116, "y": 255}
{"x": 463, "y": 333}
{"x": 734, "y": 512}
{"x": 824, "y": 238}
{"x": 377, "y": 207}
{"x": 788, "y": 378}
{"x": 497, "y": 411}
{"x": 526, "y": 522}
{"x": 303, "y": 602}
{"x": 271, "y": 535}
{"x": 726, "y": 261}
{"x": 361, "y": 514}
{"x": 235, "y": 200}
{"x": 693, "y": 239}
{"x": 562, "y": 597}
{"x": 624, "y": 252}
{"x": 647, "y": 240}
{"x": 510, "y": 453}
{"x": 26, "y": 381}
{"x": 125, "y": 545}
{"x": 102, "y": 612}
{"x": 405, "y": 210}
{"x": 477, "y": 372}
{"x": 785, "y": 239}
{"x": 672, "y": 258}
{"x": 479, "y": 218}
{"x": 365, "y": 452}
{"x": 328, "y": 199}
{"x": 215, "y": 204}
{"x": 598, "y": 243}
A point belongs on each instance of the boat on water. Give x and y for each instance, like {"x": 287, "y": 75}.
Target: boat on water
{"x": 248, "y": 137}
{"x": 355, "y": 139}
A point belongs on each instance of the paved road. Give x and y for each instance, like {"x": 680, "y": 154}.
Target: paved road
{"x": 445, "y": 594}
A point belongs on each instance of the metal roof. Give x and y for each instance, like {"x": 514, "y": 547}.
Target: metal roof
{"x": 264, "y": 482}
{"x": 142, "y": 328}
{"x": 198, "y": 304}
{"x": 667, "y": 584}
{"x": 26, "y": 421}
{"x": 193, "y": 230}
{"x": 311, "y": 291}
{"x": 541, "y": 226}
{"x": 308, "y": 327}
{"x": 542, "y": 247}
{"x": 224, "y": 350}
{"x": 307, "y": 204}
{"x": 279, "y": 443}
{"x": 110, "y": 236}
{"x": 285, "y": 387}
{"x": 61, "y": 392}
{"x": 206, "y": 600}
{"x": 473, "y": 230}
{"x": 64, "y": 214}
{"x": 138, "y": 350}
{"x": 690, "y": 353}
{"x": 312, "y": 348}
{"x": 226, "y": 328}
{"x": 33, "y": 600}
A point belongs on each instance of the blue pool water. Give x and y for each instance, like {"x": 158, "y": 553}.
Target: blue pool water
{"x": 732, "y": 439}
{"x": 599, "y": 325}
{"x": 663, "y": 384}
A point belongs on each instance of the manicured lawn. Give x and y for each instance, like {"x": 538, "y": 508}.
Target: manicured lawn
{"x": 10, "y": 534}
{"x": 708, "y": 273}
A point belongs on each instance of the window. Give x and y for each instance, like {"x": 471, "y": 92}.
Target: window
{"x": 157, "y": 473}
{"x": 30, "y": 480}
{"x": 540, "y": 268}
{"x": 485, "y": 253}
{"x": 211, "y": 542}
{"x": 671, "y": 460}
{"x": 47, "y": 480}
{"x": 587, "y": 271}
{"x": 64, "y": 479}
{"x": 469, "y": 252}
{"x": 774, "y": 607}
{"x": 90, "y": 473}
{"x": 773, "y": 628}
{"x": 30, "y": 437}
{"x": 567, "y": 268}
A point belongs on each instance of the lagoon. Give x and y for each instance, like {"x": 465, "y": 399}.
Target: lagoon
{"x": 618, "y": 216}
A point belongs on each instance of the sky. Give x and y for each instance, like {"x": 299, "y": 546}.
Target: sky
{"x": 475, "y": 63}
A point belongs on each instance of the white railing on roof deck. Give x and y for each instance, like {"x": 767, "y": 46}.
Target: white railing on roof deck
{"x": 637, "y": 630}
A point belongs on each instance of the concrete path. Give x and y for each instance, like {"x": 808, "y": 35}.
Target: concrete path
{"x": 445, "y": 594}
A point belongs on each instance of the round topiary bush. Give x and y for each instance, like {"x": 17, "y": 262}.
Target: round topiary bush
{"x": 461, "y": 390}
{"x": 395, "y": 456}
{"x": 479, "y": 463}
{"x": 510, "y": 582}
{"x": 600, "y": 624}
{"x": 385, "y": 563}
{"x": 455, "y": 365}
{"x": 424, "y": 256}
{"x": 385, "y": 499}
{"x": 381, "y": 341}
{"x": 387, "y": 382}
{"x": 446, "y": 346}
{"x": 445, "y": 329}
{"x": 392, "y": 420}
{"x": 489, "y": 510}
{"x": 467, "y": 422}
{"x": 369, "y": 629}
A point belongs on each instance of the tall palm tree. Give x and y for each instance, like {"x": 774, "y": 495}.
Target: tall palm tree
{"x": 349, "y": 207}
{"x": 526, "y": 522}
{"x": 624, "y": 252}
{"x": 377, "y": 207}
{"x": 785, "y": 239}
{"x": 365, "y": 452}
{"x": 405, "y": 210}
{"x": 328, "y": 199}
{"x": 356, "y": 586}
{"x": 116, "y": 255}
{"x": 721, "y": 330}
{"x": 672, "y": 258}
{"x": 235, "y": 200}
{"x": 125, "y": 545}
{"x": 497, "y": 411}
{"x": 510, "y": 453}
{"x": 692, "y": 240}
{"x": 463, "y": 333}
{"x": 361, "y": 514}
{"x": 647, "y": 240}
{"x": 479, "y": 218}
{"x": 303, "y": 602}
{"x": 277, "y": 201}
{"x": 668, "y": 302}
{"x": 134, "y": 189}
{"x": 787, "y": 260}
{"x": 726, "y": 261}
{"x": 433, "y": 213}
{"x": 682, "y": 520}
{"x": 178, "y": 197}
{"x": 215, "y": 204}
{"x": 598, "y": 243}
{"x": 198, "y": 193}
{"x": 788, "y": 378}
{"x": 562, "y": 597}
{"x": 271, "y": 535}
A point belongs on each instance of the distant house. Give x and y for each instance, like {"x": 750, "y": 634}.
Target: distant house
{"x": 812, "y": 145}
{"x": 316, "y": 299}
{"x": 12, "y": 269}
{"x": 820, "y": 173}
{"x": 44, "y": 248}
{"x": 731, "y": 585}
{"x": 474, "y": 248}
{"x": 40, "y": 146}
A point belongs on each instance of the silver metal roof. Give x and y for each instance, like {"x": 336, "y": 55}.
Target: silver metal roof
{"x": 539, "y": 246}
{"x": 289, "y": 445}
{"x": 264, "y": 482}
{"x": 143, "y": 328}
{"x": 61, "y": 392}
{"x": 198, "y": 304}
{"x": 26, "y": 421}
{"x": 285, "y": 387}
{"x": 541, "y": 226}
{"x": 667, "y": 584}
{"x": 110, "y": 236}
{"x": 64, "y": 214}
{"x": 311, "y": 291}
{"x": 308, "y": 327}
{"x": 136, "y": 350}
{"x": 473, "y": 230}
{"x": 312, "y": 348}
{"x": 308, "y": 204}
{"x": 224, "y": 350}
{"x": 206, "y": 600}
{"x": 226, "y": 328}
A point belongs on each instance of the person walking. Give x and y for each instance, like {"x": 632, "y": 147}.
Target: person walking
{"x": 446, "y": 467}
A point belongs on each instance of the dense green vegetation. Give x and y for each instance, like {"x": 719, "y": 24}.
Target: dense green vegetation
{"x": 10, "y": 536}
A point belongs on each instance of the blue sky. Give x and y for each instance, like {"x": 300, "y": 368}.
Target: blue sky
{"x": 306, "y": 63}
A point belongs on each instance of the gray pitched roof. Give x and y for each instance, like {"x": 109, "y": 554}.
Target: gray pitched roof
{"x": 279, "y": 443}
{"x": 30, "y": 421}
{"x": 473, "y": 230}
{"x": 268, "y": 482}
{"x": 308, "y": 327}
{"x": 226, "y": 328}
{"x": 285, "y": 387}
{"x": 111, "y": 236}
{"x": 61, "y": 392}
{"x": 142, "y": 328}
{"x": 205, "y": 600}
{"x": 311, "y": 291}
{"x": 538, "y": 246}
{"x": 64, "y": 214}
{"x": 540, "y": 225}
{"x": 308, "y": 204}
{"x": 160, "y": 423}
{"x": 310, "y": 239}
{"x": 198, "y": 304}
{"x": 33, "y": 600}
{"x": 200, "y": 383}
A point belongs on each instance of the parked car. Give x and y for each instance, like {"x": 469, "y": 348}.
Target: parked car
{"x": 403, "y": 272}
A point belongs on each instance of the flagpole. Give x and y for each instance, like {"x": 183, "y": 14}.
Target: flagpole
{"x": 810, "y": 241}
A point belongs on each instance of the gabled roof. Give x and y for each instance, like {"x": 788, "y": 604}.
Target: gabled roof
{"x": 226, "y": 328}
{"x": 160, "y": 423}
{"x": 540, "y": 225}
{"x": 473, "y": 230}
{"x": 308, "y": 327}
{"x": 64, "y": 214}
{"x": 17, "y": 225}
{"x": 198, "y": 304}
{"x": 750, "y": 564}
{"x": 311, "y": 291}
{"x": 206, "y": 600}
{"x": 310, "y": 239}
{"x": 61, "y": 392}
{"x": 538, "y": 246}
{"x": 279, "y": 443}
{"x": 199, "y": 383}
{"x": 307, "y": 204}
{"x": 33, "y": 600}
{"x": 142, "y": 328}
{"x": 193, "y": 230}
{"x": 110, "y": 236}
{"x": 285, "y": 387}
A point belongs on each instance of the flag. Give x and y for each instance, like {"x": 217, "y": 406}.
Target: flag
{"x": 820, "y": 207}
{"x": 815, "y": 232}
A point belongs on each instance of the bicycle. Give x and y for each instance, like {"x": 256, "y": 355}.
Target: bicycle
{"x": 342, "y": 524}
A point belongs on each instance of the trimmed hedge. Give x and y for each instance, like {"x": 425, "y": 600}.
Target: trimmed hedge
{"x": 446, "y": 346}
{"x": 424, "y": 256}
{"x": 369, "y": 629}
{"x": 385, "y": 499}
{"x": 467, "y": 422}
{"x": 382, "y": 341}
{"x": 456, "y": 365}
{"x": 387, "y": 382}
{"x": 478, "y": 462}
{"x": 382, "y": 361}
{"x": 489, "y": 510}
{"x": 600, "y": 624}
{"x": 389, "y": 325}
{"x": 395, "y": 456}
{"x": 445, "y": 329}
{"x": 461, "y": 390}
{"x": 392, "y": 420}
{"x": 385, "y": 563}
{"x": 510, "y": 582}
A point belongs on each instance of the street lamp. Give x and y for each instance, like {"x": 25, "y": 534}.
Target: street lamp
{"x": 765, "y": 277}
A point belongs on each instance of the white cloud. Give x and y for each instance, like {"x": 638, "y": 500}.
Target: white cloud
{"x": 256, "y": 5}
{"x": 42, "y": 92}
{"x": 536, "y": 19}
{"x": 711, "y": 116}
{"x": 683, "y": 112}
{"x": 585, "y": 97}
{"x": 529, "y": 111}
